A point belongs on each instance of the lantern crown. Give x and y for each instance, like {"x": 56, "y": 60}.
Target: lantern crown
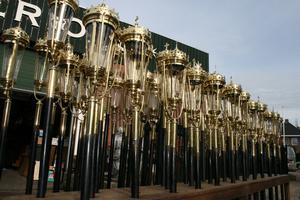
{"x": 196, "y": 74}
{"x": 101, "y": 13}
{"x": 72, "y": 3}
{"x": 16, "y": 35}
{"x": 215, "y": 79}
{"x": 232, "y": 89}
{"x": 176, "y": 59}
{"x": 252, "y": 105}
{"x": 41, "y": 45}
{"x": 245, "y": 96}
{"x": 68, "y": 56}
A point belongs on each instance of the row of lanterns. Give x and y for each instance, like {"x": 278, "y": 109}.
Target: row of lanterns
{"x": 177, "y": 120}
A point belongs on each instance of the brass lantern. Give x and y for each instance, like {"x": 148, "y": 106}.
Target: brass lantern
{"x": 244, "y": 99}
{"x": 15, "y": 41}
{"x": 213, "y": 90}
{"x": 152, "y": 97}
{"x": 195, "y": 77}
{"x": 171, "y": 64}
{"x": 232, "y": 111}
{"x": 137, "y": 54}
{"x": 67, "y": 65}
{"x": 41, "y": 64}
{"x": 100, "y": 22}
{"x": 60, "y": 16}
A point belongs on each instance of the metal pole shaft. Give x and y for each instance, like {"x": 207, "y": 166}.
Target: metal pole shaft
{"x": 47, "y": 134}
{"x": 173, "y": 178}
{"x": 37, "y": 118}
{"x": 86, "y": 178}
{"x": 216, "y": 156}
{"x": 185, "y": 148}
{"x": 197, "y": 158}
{"x": 135, "y": 157}
{"x": 191, "y": 155}
{"x": 70, "y": 153}
{"x": 4, "y": 127}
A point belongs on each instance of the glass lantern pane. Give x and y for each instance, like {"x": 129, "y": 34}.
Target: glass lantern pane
{"x": 66, "y": 81}
{"x": 18, "y": 62}
{"x": 59, "y": 22}
{"x": 41, "y": 68}
{"x": 99, "y": 39}
{"x": 116, "y": 96}
{"x": 135, "y": 61}
{"x": 12, "y": 58}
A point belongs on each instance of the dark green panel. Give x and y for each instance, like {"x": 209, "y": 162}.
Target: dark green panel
{"x": 25, "y": 77}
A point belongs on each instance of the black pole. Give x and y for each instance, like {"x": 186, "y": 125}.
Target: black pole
{"x": 159, "y": 153}
{"x": 232, "y": 158}
{"x": 209, "y": 158}
{"x": 185, "y": 148}
{"x": 223, "y": 166}
{"x": 261, "y": 158}
{"x": 135, "y": 156}
{"x": 79, "y": 158}
{"x": 46, "y": 147}
{"x": 197, "y": 159}
{"x": 29, "y": 179}
{"x": 173, "y": 176}
{"x": 103, "y": 159}
{"x": 111, "y": 155}
{"x": 202, "y": 154}
{"x": 129, "y": 158}
{"x": 86, "y": 180}
{"x": 237, "y": 159}
{"x": 209, "y": 166}
{"x": 123, "y": 158}
{"x": 145, "y": 156}
{"x": 59, "y": 154}
{"x": 93, "y": 166}
{"x": 70, "y": 152}
{"x": 163, "y": 156}
{"x": 167, "y": 155}
{"x": 215, "y": 155}
{"x": 99, "y": 139}
{"x": 244, "y": 156}
{"x": 4, "y": 127}
{"x": 152, "y": 157}
{"x": 191, "y": 156}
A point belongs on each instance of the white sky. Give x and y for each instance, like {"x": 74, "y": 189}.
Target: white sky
{"x": 256, "y": 42}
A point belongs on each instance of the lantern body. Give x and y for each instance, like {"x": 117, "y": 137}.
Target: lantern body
{"x": 15, "y": 41}
{"x": 99, "y": 40}
{"x": 66, "y": 79}
{"x": 100, "y": 23}
{"x": 137, "y": 53}
{"x": 173, "y": 85}
{"x": 41, "y": 68}
{"x": 12, "y": 59}
{"x": 60, "y": 16}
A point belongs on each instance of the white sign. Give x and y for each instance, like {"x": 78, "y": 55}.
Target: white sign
{"x": 33, "y": 12}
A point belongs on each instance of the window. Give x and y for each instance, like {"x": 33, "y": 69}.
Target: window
{"x": 294, "y": 141}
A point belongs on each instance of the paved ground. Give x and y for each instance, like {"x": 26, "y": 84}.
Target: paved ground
{"x": 295, "y": 185}
{"x": 13, "y": 184}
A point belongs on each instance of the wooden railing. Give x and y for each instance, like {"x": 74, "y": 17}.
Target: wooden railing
{"x": 251, "y": 189}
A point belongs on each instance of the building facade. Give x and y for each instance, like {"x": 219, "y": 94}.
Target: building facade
{"x": 31, "y": 15}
